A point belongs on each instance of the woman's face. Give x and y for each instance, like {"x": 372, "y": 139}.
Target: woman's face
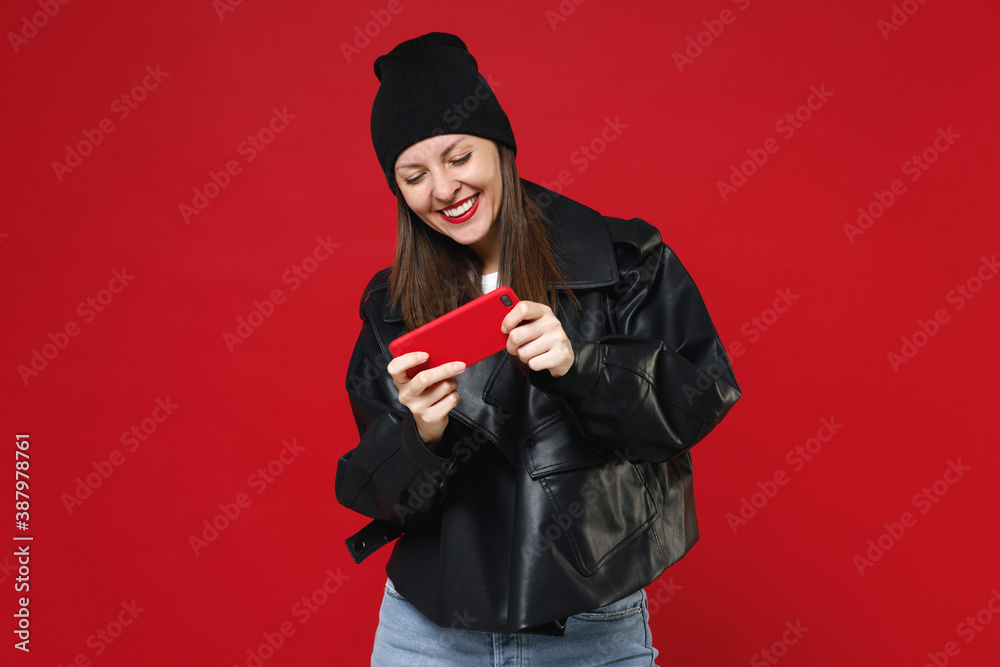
{"x": 452, "y": 182}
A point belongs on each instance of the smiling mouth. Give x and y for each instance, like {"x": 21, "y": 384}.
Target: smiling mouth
{"x": 462, "y": 211}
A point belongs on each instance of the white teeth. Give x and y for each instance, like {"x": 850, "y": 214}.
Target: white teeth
{"x": 461, "y": 208}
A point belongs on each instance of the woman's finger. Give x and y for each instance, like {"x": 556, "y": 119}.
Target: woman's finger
{"x": 534, "y": 348}
{"x": 441, "y": 408}
{"x": 523, "y": 311}
{"x": 431, "y": 376}
{"x": 399, "y": 365}
{"x": 556, "y": 361}
{"x": 432, "y": 394}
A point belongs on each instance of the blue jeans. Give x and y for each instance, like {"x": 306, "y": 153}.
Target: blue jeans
{"x": 617, "y": 634}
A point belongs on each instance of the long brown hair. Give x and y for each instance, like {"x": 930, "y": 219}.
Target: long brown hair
{"x": 432, "y": 274}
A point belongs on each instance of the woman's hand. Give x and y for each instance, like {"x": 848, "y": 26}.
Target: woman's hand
{"x": 430, "y": 394}
{"x": 537, "y": 338}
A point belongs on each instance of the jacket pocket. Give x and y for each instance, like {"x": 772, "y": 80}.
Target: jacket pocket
{"x": 595, "y": 512}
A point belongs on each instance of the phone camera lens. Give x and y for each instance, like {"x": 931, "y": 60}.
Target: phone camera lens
{"x": 505, "y": 300}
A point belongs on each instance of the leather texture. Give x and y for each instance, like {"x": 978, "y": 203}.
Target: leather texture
{"x": 550, "y": 496}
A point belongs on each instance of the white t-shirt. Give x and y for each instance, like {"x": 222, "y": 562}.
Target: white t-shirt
{"x": 490, "y": 282}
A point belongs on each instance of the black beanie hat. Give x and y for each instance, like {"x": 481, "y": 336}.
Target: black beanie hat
{"x": 430, "y": 86}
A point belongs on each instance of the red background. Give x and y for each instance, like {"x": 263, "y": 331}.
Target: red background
{"x": 162, "y": 335}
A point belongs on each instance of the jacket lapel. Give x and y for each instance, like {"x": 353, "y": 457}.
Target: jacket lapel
{"x": 489, "y": 393}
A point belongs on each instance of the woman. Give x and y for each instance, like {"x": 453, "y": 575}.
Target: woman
{"x": 538, "y": 491}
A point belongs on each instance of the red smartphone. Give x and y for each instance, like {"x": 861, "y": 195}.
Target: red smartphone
{"x": 469, "y": 333}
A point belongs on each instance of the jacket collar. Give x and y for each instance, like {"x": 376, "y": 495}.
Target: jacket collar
{"x": 581, "y": 239}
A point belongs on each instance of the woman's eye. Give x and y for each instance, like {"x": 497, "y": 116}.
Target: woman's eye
{"x": 416, "y": 179}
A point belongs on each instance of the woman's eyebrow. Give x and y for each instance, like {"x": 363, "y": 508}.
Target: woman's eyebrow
{"x": 443, "y": 153}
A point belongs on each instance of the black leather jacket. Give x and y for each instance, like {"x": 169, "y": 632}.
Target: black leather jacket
{"x": 557, "y": 495}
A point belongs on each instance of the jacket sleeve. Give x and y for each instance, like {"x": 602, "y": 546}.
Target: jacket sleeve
{"x": 390, "y": 475}
{"x": 660, "y": 380}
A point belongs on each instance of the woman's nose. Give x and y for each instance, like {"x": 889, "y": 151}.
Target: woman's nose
{"x": 445, "y": 187}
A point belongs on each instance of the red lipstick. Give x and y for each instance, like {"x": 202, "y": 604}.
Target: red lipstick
{"x": 465, "y": 216}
